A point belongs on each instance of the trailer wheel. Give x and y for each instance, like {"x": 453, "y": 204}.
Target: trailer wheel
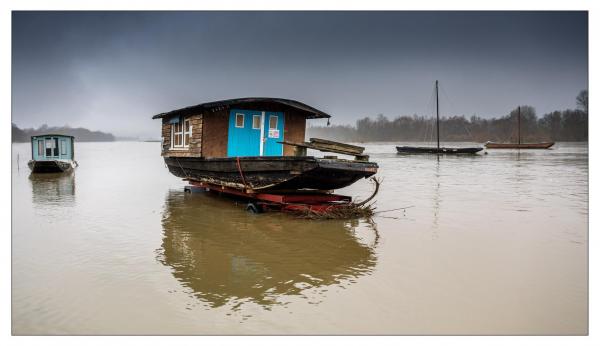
{"x": 253, "y": 208}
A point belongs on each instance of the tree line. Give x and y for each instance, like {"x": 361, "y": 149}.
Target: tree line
{"x": 566, "y": 125}
{"x": 81, "y": 134}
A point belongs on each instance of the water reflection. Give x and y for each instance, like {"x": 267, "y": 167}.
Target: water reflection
{"x": 436, "y": 199}
{"x": 53, "y": 188}
{"x": 228, "y": 256}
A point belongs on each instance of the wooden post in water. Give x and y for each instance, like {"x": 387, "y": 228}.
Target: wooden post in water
{"x": 437, "y": 107}
{"x": 519, "y": 125}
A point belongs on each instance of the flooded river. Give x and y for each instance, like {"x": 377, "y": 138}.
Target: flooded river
{"x": 490, "y": 244}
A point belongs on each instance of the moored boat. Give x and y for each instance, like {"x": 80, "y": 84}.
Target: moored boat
{"x": 256, "y": 144}
{"x": 437, "y": 149}
{"x": 52, "y": 153}
{"x": 541, "y": 145}
{"x": 519, "y": 145}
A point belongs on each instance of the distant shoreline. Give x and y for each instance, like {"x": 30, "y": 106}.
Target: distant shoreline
{"x": 81, "y": 134}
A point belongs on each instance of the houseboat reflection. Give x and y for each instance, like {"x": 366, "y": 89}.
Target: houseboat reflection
{"x": 228, "y": 256}
{"x": 53, "y": 188}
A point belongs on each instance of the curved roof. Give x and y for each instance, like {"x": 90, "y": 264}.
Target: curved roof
{"x": 52, "y": 135}
{"x": 310, "y": 112}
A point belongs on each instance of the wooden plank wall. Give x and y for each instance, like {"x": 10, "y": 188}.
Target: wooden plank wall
{"x": 294, "y": 130}
{"x": 215, "y": 131}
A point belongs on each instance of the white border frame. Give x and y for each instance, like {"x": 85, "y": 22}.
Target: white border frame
{"x": 594, "y": 262}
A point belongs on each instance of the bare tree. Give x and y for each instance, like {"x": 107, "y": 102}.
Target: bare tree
{"x": 582, "y": 101}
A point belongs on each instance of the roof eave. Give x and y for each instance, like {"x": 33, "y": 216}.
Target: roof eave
{"x": 311, "y": 113}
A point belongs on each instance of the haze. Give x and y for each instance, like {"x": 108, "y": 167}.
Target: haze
{"x": 112, "y": 71}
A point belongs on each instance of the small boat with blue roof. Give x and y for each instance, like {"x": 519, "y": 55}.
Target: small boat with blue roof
{"x": 52, "y": 153}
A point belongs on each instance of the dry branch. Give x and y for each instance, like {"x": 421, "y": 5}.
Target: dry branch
{"x": 345, "y": 211}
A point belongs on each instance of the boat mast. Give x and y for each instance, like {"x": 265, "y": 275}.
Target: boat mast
{"x": 437, "y": 106}
{"x": 519, "y": 124}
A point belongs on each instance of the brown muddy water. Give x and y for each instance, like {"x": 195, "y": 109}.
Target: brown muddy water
{"x": 490, "y": 244}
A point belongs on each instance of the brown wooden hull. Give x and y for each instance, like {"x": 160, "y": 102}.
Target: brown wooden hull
{"x": 544, "y": 145}
{"x": 268, "y": 173}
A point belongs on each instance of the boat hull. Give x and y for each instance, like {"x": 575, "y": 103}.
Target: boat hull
{"x": 435, "y": 150}
{"x": 272, "y": 173}
{"x": 545, "y": 145}
{"x": 50, "y": 166}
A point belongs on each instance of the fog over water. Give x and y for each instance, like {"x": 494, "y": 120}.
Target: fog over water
{"x": 112, "y": 71}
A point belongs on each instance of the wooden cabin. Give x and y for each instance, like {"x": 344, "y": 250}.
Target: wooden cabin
{"x": 52, "y": 147}
{"x": 236, "y": 127}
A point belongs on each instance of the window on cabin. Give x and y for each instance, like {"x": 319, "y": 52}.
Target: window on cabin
{"x": 63, "y": 147}
{"x": 256, "y": 122}
{"x": 51, "y": 146}
{"x": 40, "y": 147}
{"x": 177, "y": 129}
{"x": 239, "y": 120}
{"x": 273, "y": 122}
{"x": 180, "y": 133}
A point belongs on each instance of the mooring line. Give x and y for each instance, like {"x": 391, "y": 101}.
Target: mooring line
{"x": 241, "y": 173}
{"x": 183, "y": 170}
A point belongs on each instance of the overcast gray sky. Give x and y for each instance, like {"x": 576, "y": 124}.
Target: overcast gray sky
{"x": 112, "y": 71}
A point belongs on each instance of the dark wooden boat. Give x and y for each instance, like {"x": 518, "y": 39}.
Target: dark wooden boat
{"x": 50, "y": 166}
{"x": 256, "y": 144}
{"x": 542, "y": 145}
{"x": 437, "y": 149}
{"x": 277, "y": 173}
{"x": 519, "y": 145}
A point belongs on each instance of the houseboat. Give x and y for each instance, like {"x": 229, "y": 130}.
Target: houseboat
{"x": 256, "y": 144}
{"x": 52, "y": 153}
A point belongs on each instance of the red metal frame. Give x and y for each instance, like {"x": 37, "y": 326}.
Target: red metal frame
{"x": 317, "y": 202}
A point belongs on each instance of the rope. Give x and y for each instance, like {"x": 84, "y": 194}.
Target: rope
{"x": 453, "y": 109}
{"x": 241, "y": 173}
{"x": 183, "y": 170}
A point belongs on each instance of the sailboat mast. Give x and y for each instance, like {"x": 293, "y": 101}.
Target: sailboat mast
{"x": 519, "y": 125}
{"x": 437, "y": 106}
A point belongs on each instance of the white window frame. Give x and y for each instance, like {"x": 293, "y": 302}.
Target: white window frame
{"x": 182, "y": 144}
{"x": 63, "y": 147}
{"x": 254, "y": 117}
{"x": 276, "y": 121}
{"x": 186, "y": 132}
{"x": 236, "y": 122}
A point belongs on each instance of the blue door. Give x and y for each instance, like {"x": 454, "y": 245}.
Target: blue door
{"x": 273, "y": 133}
{"x": 244, "y": 138}
{"x": 244, "y": 133}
